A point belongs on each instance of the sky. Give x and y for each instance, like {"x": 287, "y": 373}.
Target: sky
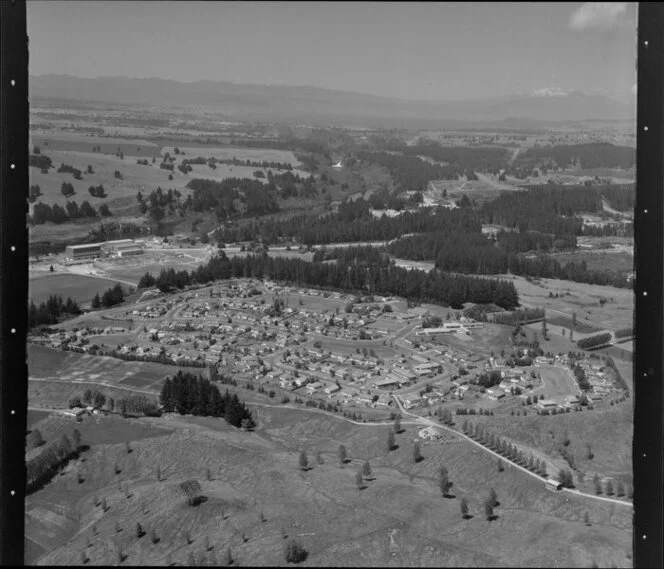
{"x": 415, "y": 51}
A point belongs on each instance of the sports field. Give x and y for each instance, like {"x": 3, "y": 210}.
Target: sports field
{"x": 81, "y": 288}
{"x": 557, "y": 383}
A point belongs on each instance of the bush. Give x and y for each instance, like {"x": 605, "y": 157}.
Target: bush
{"x": 295, "y": 553}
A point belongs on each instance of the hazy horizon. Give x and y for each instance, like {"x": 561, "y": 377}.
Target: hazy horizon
{"x": 435, "y": 52}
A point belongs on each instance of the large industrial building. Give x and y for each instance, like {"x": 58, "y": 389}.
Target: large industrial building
{"x": 111, "y": 247}
{"x": 124, "y": 248}
{"x": 84, "y": 252}
{"x": 90, "y": 251}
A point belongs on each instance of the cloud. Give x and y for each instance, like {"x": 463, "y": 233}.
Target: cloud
{"x": 603, "y": 15}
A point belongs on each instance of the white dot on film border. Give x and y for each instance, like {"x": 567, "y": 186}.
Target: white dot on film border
{"x": 645, "y": 43}
{"x": 13, "y": 82}
{"x": 12, "y": 166}
{"x": 645, "y": 211}
{"x": 645, "y": 293}
{"x": 13, "y": 330}
{"x": 13, "y": 412}
{"x": 13, "y": 248}
{"x": 12, "y": 492}
{"x": 645, "y": 128}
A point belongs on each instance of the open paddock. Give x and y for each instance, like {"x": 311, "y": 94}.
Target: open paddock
{"x": 139, "y": 382}
{"x": 241, "y": 153}
{"x": 58, "y": 365}
{"x": 35, "y": 417}
{"x": 81, "y": 288}
{"x": 254, "y": 472}
{"x": 581, "y": 298}
{"x": 566, "y": 322}
{"x": 602, "y": 261}
{"x": 134, "y": 273}
{"x": 72, "y": 142}
{"x": 483, "y": 341}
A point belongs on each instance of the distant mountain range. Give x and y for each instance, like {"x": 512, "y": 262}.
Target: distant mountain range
{"x": 312, "y": 104}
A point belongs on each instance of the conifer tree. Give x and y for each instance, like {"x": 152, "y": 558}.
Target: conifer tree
{"x": 464, "y": 508}
{"x": 390, "y": 440}
{"x": 303, "y": 461}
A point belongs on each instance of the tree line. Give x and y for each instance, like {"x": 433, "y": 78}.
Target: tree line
{"x": 594, "y": 341}
{"x": 462, "y": 158}
{"x": 410, "y": 173}
{"x": 68, "y": 168}
{"x": 586, "y": 156}
{"x": 353, "y": 221}
{"x": 186, "y": 393}
{"x": 41, "y": 212}
{"x": 469, "y": 252}
{"x": 112, "y": 296}
{"x": 50, "y": 311}
{"x": 40, "y": 161}
{"x": 384, "y": 278}
{"x": 54, "y": 457}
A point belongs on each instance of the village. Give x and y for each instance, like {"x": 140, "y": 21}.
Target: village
{"x": 351, "y": 351}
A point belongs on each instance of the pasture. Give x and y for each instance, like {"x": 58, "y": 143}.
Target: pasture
{"x": 241, "y": 153}
{"x": 608, "y": 431}
{"x": 35, "y": 417}
{"x": 584, "y": 299}
{"x": 81, "y": 288}
{"x": 50, "y": 518}
{"x": 86, "y": 370}
{"x": 75, "y": 142}
{"x": 601, "y": 261}
{"x": 566, "y": 322}
{"x": 399, "y": 518}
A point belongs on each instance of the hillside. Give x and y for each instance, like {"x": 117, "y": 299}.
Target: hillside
{"x": 399, "y": 518}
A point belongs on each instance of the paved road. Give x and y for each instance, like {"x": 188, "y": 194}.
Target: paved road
{"x": 425, "y": 421}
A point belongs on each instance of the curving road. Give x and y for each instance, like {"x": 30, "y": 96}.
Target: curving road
{"x": 425, "y": 421}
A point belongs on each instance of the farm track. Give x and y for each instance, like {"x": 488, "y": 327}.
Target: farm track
{"x": 103, "y": 384}
{"x": 424, "y": 420}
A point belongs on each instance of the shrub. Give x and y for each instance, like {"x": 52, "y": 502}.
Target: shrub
{"x": 295, "y": 553}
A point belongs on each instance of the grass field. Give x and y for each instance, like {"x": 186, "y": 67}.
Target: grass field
{"x": 51, "y": 519}
{"x": 557, "y": 384}
{"x": 608, "y": 430}
{"x": 601, "y": 261}
{"x": 566, "y": 322}
{"x": 580, "y": 298}
{"x": 80, "y": 287}
{"x": 35, "y": 416}
{"x": 60, "y": 366}
{"x": 134, "y": 274}
{"x": 399, "y": 519}
{"x": 227, "y": 153}
{"x": 71, "y": 142}
{"x": 491, "y": 338}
